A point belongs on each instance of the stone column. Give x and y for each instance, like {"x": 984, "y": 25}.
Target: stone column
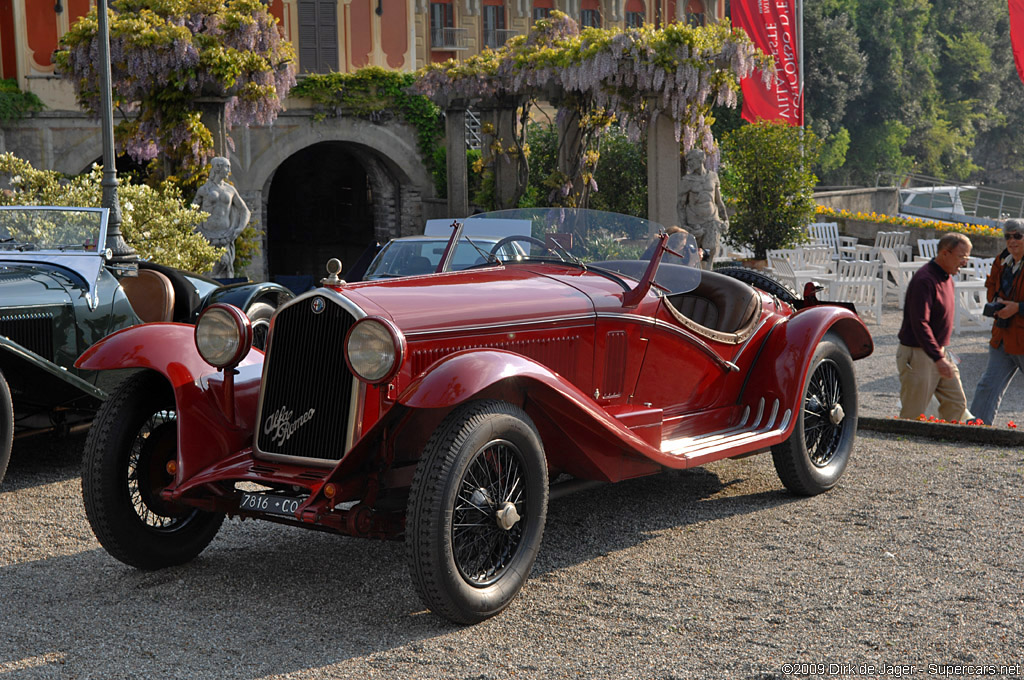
{"x": 455, "y": 147}
{"x": 213, "y": 116}
{"x": 569, "y": 140}
{"x": 506, "y": 180}
{"x": 662, "y": 172}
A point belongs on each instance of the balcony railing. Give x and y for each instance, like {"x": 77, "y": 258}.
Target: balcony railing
{"x": 448, "y": 38}
{"x": 496, "y": 37}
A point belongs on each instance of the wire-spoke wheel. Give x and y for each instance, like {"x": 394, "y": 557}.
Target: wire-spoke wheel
{"x": 489, "y": 514}
{"x": 814, "y": 457}
{"x": 134, "y": 437}
{"x": 476, "y": 511}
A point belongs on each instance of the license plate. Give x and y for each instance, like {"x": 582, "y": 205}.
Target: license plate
{"x": 270, "y": 503}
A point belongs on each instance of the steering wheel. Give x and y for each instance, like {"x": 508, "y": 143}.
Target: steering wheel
{"x": 528, "y": 239}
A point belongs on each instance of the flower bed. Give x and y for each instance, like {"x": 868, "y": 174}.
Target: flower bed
{"x": 986, "y": 241}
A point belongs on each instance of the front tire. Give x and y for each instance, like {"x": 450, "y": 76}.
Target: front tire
{"x": 125, "y": 469}
{"x": 476, "y": 511}
{"x": 6, "y": 425}
{"x": 814, "y": 457}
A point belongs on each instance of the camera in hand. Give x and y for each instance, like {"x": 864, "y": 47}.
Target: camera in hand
{"x": 990, "y": 310}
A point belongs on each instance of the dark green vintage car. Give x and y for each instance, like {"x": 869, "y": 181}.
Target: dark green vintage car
{"x": 59, "y": 294}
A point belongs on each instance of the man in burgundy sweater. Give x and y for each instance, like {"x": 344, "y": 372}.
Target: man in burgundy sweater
{"x": 921, "y": 360}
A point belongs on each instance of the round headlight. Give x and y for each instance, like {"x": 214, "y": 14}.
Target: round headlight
{"x": 374, "y": 349}
{"x": 223, "y": 335}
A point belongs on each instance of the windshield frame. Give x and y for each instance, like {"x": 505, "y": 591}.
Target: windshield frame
{"x": 86, "y": 263}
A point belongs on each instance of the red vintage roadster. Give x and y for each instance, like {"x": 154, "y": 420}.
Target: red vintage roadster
{"x": 440, "y": 408}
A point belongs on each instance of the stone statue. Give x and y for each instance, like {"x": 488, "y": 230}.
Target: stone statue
{"x": 228, "y": 215}
{"x": 701, "y": 208}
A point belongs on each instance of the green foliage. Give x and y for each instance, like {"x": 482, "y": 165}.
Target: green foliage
{"x": 14, "y": 103}
{"x": 156, "y": 222}
{"x": 377, "y": 94}
{"x": 766, "y": 175}
{"x": 621, "y": 175}
{"x": 247, "y": 246}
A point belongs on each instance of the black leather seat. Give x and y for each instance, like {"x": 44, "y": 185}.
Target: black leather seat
{"x": 720, "y": 303}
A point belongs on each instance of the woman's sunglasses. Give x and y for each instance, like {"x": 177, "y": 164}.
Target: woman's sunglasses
{"x": 1015, "y": 236}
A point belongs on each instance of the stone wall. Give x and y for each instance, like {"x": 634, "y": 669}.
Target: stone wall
{"x": 882, "y": 200}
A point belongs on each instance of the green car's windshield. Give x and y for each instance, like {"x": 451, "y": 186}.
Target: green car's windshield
{"x": 32, "y": 228}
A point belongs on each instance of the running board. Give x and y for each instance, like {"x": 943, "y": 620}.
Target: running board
{"x": 745, "y": 435}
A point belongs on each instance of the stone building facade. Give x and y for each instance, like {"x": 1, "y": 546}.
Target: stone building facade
{"x": 318, "y": 189}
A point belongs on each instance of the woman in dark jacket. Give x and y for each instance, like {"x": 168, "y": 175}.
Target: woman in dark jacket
{"x": 1005, "y": 284}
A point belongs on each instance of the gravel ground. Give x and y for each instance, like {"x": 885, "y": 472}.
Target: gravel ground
{"x": 915, "y": 558}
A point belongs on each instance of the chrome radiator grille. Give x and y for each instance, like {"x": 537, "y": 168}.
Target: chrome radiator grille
{"x": 307, "y": 387}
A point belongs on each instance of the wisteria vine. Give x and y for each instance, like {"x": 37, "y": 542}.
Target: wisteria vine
{"x": 166, "y": 54}
{"x": 629, "y": 76}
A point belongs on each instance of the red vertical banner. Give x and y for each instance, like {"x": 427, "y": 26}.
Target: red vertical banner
{"x": 771, "y": 25}
{"x": 1017, "y": 34}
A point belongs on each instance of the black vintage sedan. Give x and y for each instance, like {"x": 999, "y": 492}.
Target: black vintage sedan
{"x": 59, "y": 294}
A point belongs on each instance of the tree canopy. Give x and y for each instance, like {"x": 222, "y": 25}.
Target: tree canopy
{"x": 919, "y": 86}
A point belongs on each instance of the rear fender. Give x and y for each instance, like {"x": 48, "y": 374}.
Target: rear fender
{"x": 780, "y": 369}
{"x": 205, "y": 434}
{"x": 555, "y": 404}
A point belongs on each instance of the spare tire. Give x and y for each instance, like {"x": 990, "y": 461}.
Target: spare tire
{"x": 762, "y": 280}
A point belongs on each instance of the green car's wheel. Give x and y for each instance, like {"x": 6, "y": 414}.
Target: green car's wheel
{"x": 6, "y": 425}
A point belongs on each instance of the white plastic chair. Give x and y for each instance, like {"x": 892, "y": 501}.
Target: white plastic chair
{"x": 789, "y": 265}
{"x": 927, "y": 248}
{"x": 827, "y": 233}
{"x": 897, "y": 275}
{"x": 896, "y": 241}
{"x": 971, "y": 296}
{"x": 817, "y": 257}
{"x": 858, "y": 281}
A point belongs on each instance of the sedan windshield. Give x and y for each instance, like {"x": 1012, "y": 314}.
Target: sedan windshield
{"x": 408, "y": 257}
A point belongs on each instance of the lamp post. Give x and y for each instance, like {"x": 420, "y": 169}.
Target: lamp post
{"x": 124, "y": 259}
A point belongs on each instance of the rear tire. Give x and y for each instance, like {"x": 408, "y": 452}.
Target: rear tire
{"x": 476, "y": 512}
{"x": 814, "y": 457}
{"x": 6, "y": 425}
{"x": 762, "y": 280}
{"x": 133, "y": 437}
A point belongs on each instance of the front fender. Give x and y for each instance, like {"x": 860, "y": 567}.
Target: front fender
{"x": 781, "y": 367}
{"x": 599, "y": 436}
{"x": 205, "y": 433}
{"x": 243, "y": 295}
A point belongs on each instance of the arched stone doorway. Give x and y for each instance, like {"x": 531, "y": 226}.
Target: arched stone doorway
{"x": 321, "y": 203}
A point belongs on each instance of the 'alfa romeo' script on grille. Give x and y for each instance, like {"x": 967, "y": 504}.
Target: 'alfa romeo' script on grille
{"x": 280, "y": 425}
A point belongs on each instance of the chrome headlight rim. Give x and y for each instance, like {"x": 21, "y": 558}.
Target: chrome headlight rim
{"x": 233, "y": 317}
{"x": 397, "y": 342}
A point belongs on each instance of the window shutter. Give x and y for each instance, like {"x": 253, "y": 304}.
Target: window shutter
{"x": 318, "y": 36}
